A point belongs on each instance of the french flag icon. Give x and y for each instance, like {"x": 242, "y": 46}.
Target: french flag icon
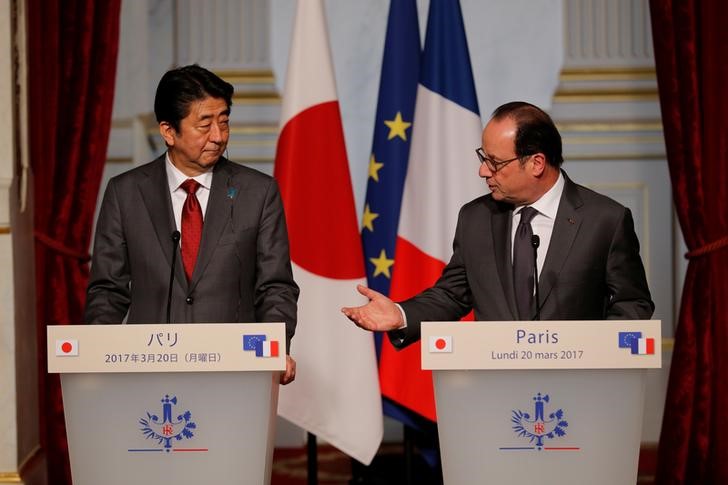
{"x": 67, "y": 347}
{"x": 266, "y": 349}
{"x": 643, "y": 346}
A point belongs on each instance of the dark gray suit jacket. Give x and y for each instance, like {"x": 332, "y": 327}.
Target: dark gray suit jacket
{"x": 243, "y": 270}
{"x": 592, "y": 270}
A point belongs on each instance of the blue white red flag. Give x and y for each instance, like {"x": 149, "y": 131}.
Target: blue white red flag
{"x": 388, "y": 160}
{"x": 442, "y": 175}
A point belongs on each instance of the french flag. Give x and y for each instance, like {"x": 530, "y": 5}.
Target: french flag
{"x": 442, "y": 175}
{"x": 643, "y": 346}
{"x": 266, "y": 348}
{"x": 336, "y": 392}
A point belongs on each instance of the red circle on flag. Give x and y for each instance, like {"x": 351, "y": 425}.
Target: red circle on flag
{"x": 66, "y": 347}
{"x": 440, "y": 343}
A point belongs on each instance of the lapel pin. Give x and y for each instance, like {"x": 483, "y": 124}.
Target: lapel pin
{"x": 571, "y": 221}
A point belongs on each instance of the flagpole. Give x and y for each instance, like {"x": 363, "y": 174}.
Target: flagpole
{"x": 312, "y": 458}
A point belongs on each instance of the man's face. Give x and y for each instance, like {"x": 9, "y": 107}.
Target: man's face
{"x": 512, "y": 182}
{"x": 202, "y": 137}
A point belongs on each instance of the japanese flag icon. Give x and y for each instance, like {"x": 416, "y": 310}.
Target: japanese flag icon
{"x": 440, "y": 343}
{"x": 67, "y": 347}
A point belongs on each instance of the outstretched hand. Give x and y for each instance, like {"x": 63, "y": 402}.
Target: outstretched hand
{"x": 379, "y": 315}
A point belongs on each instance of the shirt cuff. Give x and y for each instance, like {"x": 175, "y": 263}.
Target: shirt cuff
{"x": 404, "y": 317}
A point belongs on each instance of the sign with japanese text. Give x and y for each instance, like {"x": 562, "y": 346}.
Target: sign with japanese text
{"x": 166, "y": 347}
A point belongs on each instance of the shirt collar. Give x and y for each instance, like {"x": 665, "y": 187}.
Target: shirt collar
{"x": 548, "y": 204}
{"x": 175, "y": 177}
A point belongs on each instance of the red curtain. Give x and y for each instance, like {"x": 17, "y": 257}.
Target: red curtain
{"x": 72, "y": 50}
{"x": 691, "y": 42}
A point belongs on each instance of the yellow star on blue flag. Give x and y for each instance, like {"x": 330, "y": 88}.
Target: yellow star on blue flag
{"x": 382, "y": 264}
{"x": 397, "y": 127}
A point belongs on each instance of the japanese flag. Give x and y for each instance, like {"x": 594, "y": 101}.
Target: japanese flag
{"x": 440, "y": 343}
{"x": 67, "y": 348}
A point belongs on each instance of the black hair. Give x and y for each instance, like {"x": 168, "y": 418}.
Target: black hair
{"x": 180, "y": 87}
{"x": 535, "y": 131}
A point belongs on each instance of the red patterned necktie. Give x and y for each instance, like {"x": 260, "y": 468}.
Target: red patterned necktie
{"x": 191, "y": 227}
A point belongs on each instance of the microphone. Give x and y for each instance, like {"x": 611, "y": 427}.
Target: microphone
{"x": 535, "y": 242}
{"x": 175, "y": 242}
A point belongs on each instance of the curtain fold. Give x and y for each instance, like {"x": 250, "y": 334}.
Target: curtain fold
{"x": 690, "y": 44}
{"x": 72, "y": 52}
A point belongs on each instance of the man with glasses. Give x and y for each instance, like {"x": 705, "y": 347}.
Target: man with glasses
{"x": 587, "y": 256}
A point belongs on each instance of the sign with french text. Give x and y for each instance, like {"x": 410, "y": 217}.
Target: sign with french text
{"x": 590, "y": 344}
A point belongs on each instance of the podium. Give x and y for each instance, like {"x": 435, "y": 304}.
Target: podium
{"x": 550, "y": 402}
{"x": 169, "y": 403}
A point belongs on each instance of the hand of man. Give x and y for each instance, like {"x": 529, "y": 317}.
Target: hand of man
{"x": 379, "y": 315}
{"x": 290, "y": 374}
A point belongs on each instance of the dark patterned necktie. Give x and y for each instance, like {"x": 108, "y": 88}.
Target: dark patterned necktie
{"x": 191, "y": 227}
{"x": 523, "y": 262}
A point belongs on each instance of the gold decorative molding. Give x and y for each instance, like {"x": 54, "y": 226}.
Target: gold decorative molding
{"x": 608, "y": 74}
{"x": 257, "y": 97}
{"x": 121, "y": 123}
{"x": 254, "y": 129}
{"x": 5, "y": 230}
{"x": 621, "y": 139}
{"x": 605, "y": 96}
{"x": 263, "y": 76}
{"x": 576, "y": 157}
{"x": 252, "y": 86}
{"x": 609, "y": 126}
{"x": 252, "y": 143}
{"x": 10, "y": 477}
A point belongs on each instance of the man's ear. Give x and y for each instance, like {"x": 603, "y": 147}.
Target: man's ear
{"x": 539, "y": 163}
{"x": 168, "y": 133}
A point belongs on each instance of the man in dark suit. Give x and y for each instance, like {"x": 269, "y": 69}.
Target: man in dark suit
{"x": 588, "y": 259}
{"x": 233, "y": 264}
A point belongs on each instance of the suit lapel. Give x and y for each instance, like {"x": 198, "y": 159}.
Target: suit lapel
{"x": 501, "y": 229}
{"x": 217, "y": 215}
{"x": 566, "y": 226}
{"x": 155, "y": 194}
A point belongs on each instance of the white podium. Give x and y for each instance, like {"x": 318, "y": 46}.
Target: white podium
{"x": 550, "y": 402}
{"x": 180, "y": 403}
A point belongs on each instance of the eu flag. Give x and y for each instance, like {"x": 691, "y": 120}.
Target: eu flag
{"x": 391, "y": 146}
{"x": 388, "y": 160}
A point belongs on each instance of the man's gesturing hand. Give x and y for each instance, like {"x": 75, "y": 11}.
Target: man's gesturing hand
{"x": 379, "y": 315}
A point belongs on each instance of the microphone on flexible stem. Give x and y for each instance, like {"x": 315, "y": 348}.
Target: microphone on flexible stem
{"x": 535, "y": 242}
{"x": 175, "y": 243}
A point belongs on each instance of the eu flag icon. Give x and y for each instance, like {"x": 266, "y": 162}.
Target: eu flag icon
{"x": 250, "y": 341}
{"x": 626, "y": 338}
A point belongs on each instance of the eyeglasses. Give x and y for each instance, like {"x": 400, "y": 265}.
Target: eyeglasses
{"x": 494, "y": 165}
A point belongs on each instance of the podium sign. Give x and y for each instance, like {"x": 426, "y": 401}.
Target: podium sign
{"x": 540, "y": 402}
{"x": 171, "y": 403}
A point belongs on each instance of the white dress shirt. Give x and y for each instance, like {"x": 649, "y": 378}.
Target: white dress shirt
{"x": 542, "y": 223}
{"x": 175, "y": 178}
